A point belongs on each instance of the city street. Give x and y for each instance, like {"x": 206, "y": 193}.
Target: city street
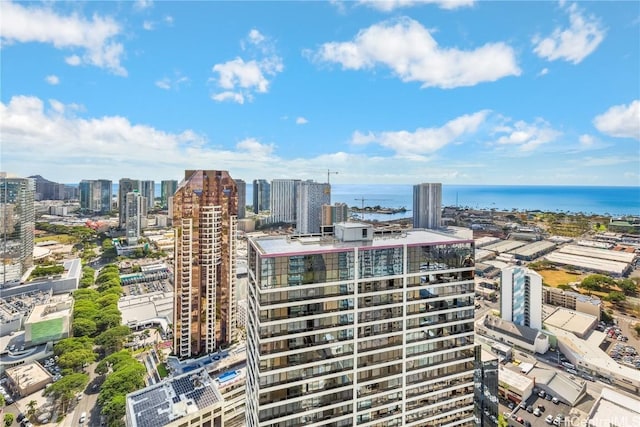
{"x": 88, "y": 402}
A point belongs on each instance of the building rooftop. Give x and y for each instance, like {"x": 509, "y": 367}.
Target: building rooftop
{"x": 56, "y": 308}
{"x": 571, "y": 321}
{"x": 171, "y": 399}
{"x": 515, "y": 380}
{"x": 533, "y": 248}
{"x": 594, "y": 264}
{"x": 598, "y": 253}
{"x": 560, "y": 385}
{"x": 28, "y": 374}
{"x": 283, "y": 245}
{"x": 613, "y": 408}
{"x": 524, "y": 333}
{"x": 504, "y": 246}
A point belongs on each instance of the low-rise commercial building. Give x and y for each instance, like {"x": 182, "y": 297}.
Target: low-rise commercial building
{"x": 572, "y": 300}
{"x": 49, "y": 322}
{"x": 580, "y": 324}
{"x": 613, "y": 408}
{"x": 513, "y": 386}
{"x": 514, "y": 335}
{"x": 28, "y": 378}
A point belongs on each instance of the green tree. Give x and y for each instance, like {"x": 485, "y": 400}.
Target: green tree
{"x": 114, "y": 410}
{"x": 615, "y": 296}
{"x": 108, "y": 299}
{"x": 107, "y": 318}
{"x": 2, "y": 402}
{"x": 76, "y": 359}
{"x": 628, "y": 286}
{"x": 66, "y": 388}
{"x": 68, "y": 345}
{"x": 8, "y": 419}
{"x": 112, "y": 340}
{"x": 597, "y": 282}
{"x": 83, "y": 327}
{"x": 32, "y": 407}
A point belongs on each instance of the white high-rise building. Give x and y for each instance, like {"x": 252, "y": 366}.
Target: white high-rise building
{"x": 283, "y": 200}
{"x": 521, "y": 297}
{"x": 427, "y": 206}
{"x": 148, "y": 191}
{"x": 135, "y": 216}
{"x": 360, "y": 329}
{"x": 309, "y": 200}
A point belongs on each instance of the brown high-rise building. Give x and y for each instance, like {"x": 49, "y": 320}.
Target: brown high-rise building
{"x": 205, "y": 209}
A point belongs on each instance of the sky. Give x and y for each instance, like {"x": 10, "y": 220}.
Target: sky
{"x": 393, "y": 92}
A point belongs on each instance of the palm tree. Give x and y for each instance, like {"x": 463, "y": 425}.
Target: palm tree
{"x": 31, "y": 408}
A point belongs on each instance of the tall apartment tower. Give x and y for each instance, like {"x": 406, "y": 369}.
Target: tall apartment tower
{"x": 332, "y": 214}
{"x": 148, "y": 191}
{"x": 47, "y": 190}
{"x": 310, "y": 198}
{"x": 167, "y": 188}
{"x": 135, "y": 216}
{"x": 95, "y": 195}
{"x": 521, "y": 297}
{"x": 427, "y": 206}
{"x": 283, "y": 200}
{"x": 261, "y": 195}
{"x": 17, "y": 225}
{"x": 364, "y": 328}
{"x": 125, "y": 185}
{"x": 205, "y": 208}
{"x": 242, "y": 198}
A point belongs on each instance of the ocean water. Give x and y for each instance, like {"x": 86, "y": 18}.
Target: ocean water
{"x": 614, "y": 201}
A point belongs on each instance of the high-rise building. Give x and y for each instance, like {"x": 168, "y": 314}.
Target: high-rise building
{"x": 309, "y": 200}
{"x": 125, "y": 185}
{"x": 261, "y": 195}
{"x": 486, "y": 388}
{"x": 364, "y": 328}
{"x": 167, "y": 188}
{"x": 242, "y": 198}
{"x": 339, "y": 212}
{"x": 148, "y": 191}
{"x": 521, "y": 297}
{"x": 283, "y": 200}
{"x": 95, "y": 195}
{"x": 135, "y": 216}
{"x": 17, "y": 225}
{"x": 47, "y": 190}
{"x": 427, "y": 206}
{"x": 205, "y": 208}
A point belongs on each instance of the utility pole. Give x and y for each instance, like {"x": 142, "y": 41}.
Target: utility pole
{"x": 329, "y": 173}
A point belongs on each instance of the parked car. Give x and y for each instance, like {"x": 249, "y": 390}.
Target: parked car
{"x": 555, "y": 400}
{"x": 549, "y": 419}
{"x": 537, "y": 412}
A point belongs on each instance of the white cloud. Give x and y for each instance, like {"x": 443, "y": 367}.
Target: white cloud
{"x": 527, "y": 136}
{"x": 605, "y": 161}
{"x": 168, "y": 20}
{"x": 147, "y": 25}
{"x": 301, "y": 121}
{"x": 253, "y": 148}
{"x": 228, "y": 96}
{"x": 543, "y": 72}
{"x": 52, "y": 80}
{"x": 390, "y": 5}
{"x": 571, "y": 44}
{"x": 41, "y": 24}
{"x": 586, "y": 140}
{"x": 73, "y": 60}
{"x": 240, "y": 79}
{"x": 423, "y": 140}
{"x": 409, "y": 50}
{"x": 142, "y": 4}
{"x": 622, "y": 121}
{"x": 168, "y": 83}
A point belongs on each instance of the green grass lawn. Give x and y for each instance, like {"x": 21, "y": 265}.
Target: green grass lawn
{"x": 64, "y": 239}
{"x": 162, "y": 370}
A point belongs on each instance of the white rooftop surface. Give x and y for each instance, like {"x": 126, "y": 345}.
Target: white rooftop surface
{"x": 614, "y": 406}
{"x": 486, "y": 240}
{"x": 145, "y": 307}
{"x": 514, "y": 379}
{"x": 505, "y": 246}
{"x": 497, "y": 264}
{"x": 533, "y": 248}
{"x": 589, "y": 351}
{"x": 587, "y": 262}
{"x": 481, "y": 254}
{"x": 282, "y": 245}
{"x": 38, "y": 312}
{"x": 606, "y": 254}
{"x": 570, "y": 320}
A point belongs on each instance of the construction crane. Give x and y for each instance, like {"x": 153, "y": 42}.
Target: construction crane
{"x": 362, "y": 199}
{"x": 329, "y": 173}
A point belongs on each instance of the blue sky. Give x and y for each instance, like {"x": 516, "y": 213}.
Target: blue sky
{"x": 459, "y": 92}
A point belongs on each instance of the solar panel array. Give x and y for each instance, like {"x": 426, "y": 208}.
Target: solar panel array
{"x": 151, "y": 408}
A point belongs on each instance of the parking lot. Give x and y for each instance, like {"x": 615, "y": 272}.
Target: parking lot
{"x": 527, "y": 413}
